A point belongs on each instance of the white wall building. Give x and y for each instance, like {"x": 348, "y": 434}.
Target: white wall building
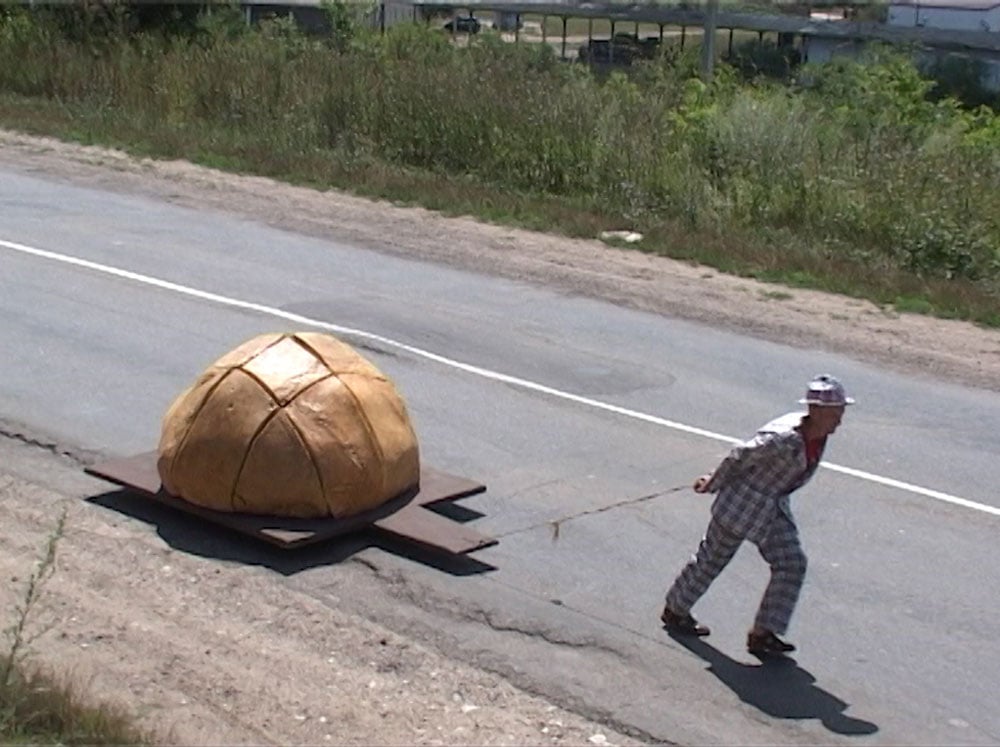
{"x": 820, "y": 49}
{"x": 397, "y": 12}
{"x": 954, "y": 15}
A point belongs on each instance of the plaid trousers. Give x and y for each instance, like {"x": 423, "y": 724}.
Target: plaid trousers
{"x": 780, "y": 548}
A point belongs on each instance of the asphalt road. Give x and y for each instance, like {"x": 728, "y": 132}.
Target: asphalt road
{"x": 565, "y": 407}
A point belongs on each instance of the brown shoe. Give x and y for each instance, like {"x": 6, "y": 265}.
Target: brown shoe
{"x": 762, "y": 644}
{"x": 682, "y": 624}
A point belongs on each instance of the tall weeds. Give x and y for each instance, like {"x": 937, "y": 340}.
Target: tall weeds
{"x": 861, "y": 165}
{"x": 37, "y": 708}
{"x": 17, "y": 634}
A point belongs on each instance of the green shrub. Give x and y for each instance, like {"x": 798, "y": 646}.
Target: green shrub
{"x": 862, "y": 158}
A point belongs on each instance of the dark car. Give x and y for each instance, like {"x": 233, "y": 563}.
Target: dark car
{"x": 606, "y": 50}
{"x": 507, "y": 21}
{"x": 463, "y": 25}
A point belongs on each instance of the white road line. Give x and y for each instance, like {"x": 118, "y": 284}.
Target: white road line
{"x": 469, "y": 368}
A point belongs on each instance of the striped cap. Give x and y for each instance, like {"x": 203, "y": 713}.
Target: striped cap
{"x": 826, "y": 390}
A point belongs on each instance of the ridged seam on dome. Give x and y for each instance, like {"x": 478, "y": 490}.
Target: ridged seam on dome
{"x": 263, "y": 385}
{"x": 372, "y": 438}
{"x": 302, "y": 442}
{"x": 369, "y": 429}
{"x": 263, "y": 424}
{"x": 279, "y": 336}
{"x": 304, "y": 372}
{"x": 194, "y": 418}
{"x": 221, "y": 376}
{"x": 313, "y": 458}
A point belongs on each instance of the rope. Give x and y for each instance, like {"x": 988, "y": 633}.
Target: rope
{"x": 555, "y": 523}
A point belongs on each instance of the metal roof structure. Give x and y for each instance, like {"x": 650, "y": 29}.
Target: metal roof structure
{"x": 681, "y": 15}
{"x": 760, "y": 22}
{"x": 949, "y": 4}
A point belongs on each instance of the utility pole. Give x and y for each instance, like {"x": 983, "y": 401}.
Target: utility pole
{"x": 708, "y": 40}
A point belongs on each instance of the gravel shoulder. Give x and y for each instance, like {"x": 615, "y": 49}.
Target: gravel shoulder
{"x": 203, "y": 651}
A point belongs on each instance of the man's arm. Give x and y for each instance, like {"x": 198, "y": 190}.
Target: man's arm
{"x": 740, "y": 460}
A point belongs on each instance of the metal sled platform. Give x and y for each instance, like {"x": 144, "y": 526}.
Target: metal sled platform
{"x": 405, "y": 516}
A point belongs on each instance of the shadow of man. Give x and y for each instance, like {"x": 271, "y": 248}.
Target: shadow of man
{"x": 779, "y": 687}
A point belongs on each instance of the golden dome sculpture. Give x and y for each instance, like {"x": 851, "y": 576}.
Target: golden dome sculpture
{"x": 296, "y": 425}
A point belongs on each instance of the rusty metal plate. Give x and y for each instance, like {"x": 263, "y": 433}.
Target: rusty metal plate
{"x": 403, "y": 516}
{"x": 433, "y": 530}
{"x": 436, "y": 486}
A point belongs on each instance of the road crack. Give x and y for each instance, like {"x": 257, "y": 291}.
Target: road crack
{"x": 425, "y": 599}
{"x": 80, "y": 457}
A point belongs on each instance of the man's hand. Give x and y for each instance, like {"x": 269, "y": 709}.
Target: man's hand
{"x": 701, "y": 484}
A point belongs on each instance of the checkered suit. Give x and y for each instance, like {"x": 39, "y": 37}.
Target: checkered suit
{"x": 753, "y": 485}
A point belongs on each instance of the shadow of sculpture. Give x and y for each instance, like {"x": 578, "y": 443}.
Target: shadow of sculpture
{"x": 187, "y": 533}
{"x": 778, "y": 687}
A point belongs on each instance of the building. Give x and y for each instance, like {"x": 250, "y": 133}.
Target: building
{"x": 956, "y": 15}
{"x": 819, "y": 48}
{"x": 971, "y": 16}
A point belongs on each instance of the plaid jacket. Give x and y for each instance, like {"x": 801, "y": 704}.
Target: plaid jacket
{"x": 753, "y": 483}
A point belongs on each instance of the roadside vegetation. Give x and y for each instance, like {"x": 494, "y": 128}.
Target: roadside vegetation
{"x": 855, "y": 177}
{"x": 41, "y": 709}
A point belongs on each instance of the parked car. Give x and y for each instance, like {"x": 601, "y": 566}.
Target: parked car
{"x": 463, "y": 25}
{"x": 623, "y": 49}
{"x": 507, "y": 21}
{"x": 604, "y": 50}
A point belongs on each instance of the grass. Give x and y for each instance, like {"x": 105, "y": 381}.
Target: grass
{"x": 904, "y": 304}
{"x": 38, "y": 707}
{"x": 856, "y": 185}
{"x": 753, "y": 254}
{"x": 776, "y": 295}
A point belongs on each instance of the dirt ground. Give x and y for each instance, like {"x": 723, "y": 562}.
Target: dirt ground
{"x": 162, "y": 639}
{"x": 204, "y": 652}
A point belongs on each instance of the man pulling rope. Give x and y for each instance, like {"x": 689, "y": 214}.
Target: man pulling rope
{"x": 754, "y": 484}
